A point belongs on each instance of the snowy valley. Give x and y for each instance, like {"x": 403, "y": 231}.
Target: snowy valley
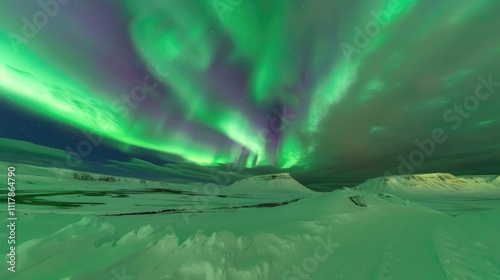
{"x": 266, "y": 227}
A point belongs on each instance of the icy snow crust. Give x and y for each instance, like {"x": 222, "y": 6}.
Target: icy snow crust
{"x": 361, "y": 233}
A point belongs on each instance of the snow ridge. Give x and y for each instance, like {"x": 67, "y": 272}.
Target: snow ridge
{"x": 281, "y": 182}
{"x": 434, "y": 182}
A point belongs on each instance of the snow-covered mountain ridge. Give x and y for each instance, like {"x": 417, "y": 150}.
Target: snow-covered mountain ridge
{"x": 434, "y": 182}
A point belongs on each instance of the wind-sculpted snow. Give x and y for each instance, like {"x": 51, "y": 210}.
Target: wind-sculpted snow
{"x": 322, "y": 237}
{"x": 271, "y": 228}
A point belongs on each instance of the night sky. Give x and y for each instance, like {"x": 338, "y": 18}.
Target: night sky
{"x": 334, "y": 92}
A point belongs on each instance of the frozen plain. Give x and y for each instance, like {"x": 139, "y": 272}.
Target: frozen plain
{"x": 432, "y": 226}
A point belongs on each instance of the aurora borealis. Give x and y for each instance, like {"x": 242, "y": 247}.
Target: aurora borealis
{"x": 327, "y": 89}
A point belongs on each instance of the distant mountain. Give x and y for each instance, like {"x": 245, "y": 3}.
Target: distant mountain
{"x": 272, "y": 183}
{"x": 434, "y": 182}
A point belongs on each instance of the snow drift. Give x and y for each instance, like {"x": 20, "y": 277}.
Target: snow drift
{"x": 344, "y": 234}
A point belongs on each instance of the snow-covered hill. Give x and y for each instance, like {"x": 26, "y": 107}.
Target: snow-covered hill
{"x": 435, "y": 183}
{"x": 265, "y": 184}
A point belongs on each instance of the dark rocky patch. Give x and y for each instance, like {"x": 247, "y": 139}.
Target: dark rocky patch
{"x": 356, "y": 199}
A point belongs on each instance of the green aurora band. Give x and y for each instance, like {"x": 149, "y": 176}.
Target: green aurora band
{"x": 269, "y": 45}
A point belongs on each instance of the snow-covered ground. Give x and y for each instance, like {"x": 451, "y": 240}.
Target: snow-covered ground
{"x": 266, "y": 227}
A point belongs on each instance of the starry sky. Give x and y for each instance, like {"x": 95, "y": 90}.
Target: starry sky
{"x": 332, "y": 91}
